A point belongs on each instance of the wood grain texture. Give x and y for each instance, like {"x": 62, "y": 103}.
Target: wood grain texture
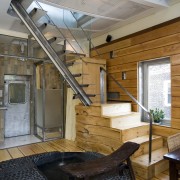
{"x": 26, "y": 150}
{"x": 175, "y": 60}
{"x": 99, "y": 131}
{"x": 92, "y": 110}
{"x": 93, "y": 120}
{"x": 164, "y": 131}
{"x": 46, "y": 147}
{"x": 15, "y": 152}
{"x": 4, "y": 155}
{"x": 152, "y": 34}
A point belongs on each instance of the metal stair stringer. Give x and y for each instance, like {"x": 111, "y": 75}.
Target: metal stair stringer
{"x": 24, "y": 16}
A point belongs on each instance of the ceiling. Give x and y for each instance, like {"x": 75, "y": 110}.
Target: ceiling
{"x": 97, "y": 16}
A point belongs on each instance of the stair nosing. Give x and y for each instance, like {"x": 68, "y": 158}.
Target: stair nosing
{"x": 135, "y": 126}
{"x": 146, "y": 156}
{"x": 154, "y": 137}
{"x": 120, "y": 115}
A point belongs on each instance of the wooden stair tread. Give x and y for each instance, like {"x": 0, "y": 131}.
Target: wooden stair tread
{"x": 107, "y": 103}
{"x": 157, "y": 156}
{"x": 130, "y": 126}
{"x": 115, "y": 115}
{"x": 115, "y": 109}
{"x": 143, "y": 139}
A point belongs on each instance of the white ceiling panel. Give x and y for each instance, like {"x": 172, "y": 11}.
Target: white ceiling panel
{"x": 127, "y": 10}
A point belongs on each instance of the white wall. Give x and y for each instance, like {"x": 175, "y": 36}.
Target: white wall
{"x": 152, "y": 20}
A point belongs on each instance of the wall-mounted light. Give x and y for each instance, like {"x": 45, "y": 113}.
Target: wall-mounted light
{"x": 123, "y": 75}
{"x": 113, "y": 54}
{"x": 22, "y": 51}
{"x": 22, "y": 48}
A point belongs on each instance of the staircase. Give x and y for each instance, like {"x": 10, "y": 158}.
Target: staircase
{"x": 104, "y": 127}
{"x": 40, "y": 25}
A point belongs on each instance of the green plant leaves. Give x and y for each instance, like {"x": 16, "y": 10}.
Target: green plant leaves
{"x": 158, "y": 114}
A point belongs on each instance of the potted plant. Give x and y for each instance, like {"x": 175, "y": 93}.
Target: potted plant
{"x": 158, "y": 115}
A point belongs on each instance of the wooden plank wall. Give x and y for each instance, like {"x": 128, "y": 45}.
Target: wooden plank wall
{"x": 157, "y": 42}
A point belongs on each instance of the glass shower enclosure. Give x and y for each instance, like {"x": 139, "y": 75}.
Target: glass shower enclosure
{"x": 49, "y": 102}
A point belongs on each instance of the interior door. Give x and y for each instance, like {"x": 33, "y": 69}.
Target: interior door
{"x": 17, "y": 101}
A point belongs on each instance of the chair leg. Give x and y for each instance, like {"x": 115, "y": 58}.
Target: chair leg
{"x": 130, "y": 169}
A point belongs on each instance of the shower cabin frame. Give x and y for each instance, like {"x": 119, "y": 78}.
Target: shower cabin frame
{"x": 42, "y": 130}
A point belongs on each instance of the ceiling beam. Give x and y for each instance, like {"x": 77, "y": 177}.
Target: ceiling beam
{"x": 153, "y": 3}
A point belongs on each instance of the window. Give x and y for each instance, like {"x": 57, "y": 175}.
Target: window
{"x": 17, "y": 93}
{"x": 155, "y": 85}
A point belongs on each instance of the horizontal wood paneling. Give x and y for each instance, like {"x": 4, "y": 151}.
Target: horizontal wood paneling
{"x": 153, "y": 33}
{"x": 149, "y": 54}
{"x": 175, "y": 102}
{"x": 175, "y": 90}
{"x": 122, "y": 67}
{"x": 175, "y": 113}
{"x": 132, "y": 90}
{"x": 175, "y": 81}
{"x": 175, "y": 123}
{"x": 129, "y": 75}
{"x": 125, "y": 83}
{"x": 164, "y": 131}
{"x": 128, "y": 52}
{"x": 175, "y": 59}
{"x": 175, "y": 70}
{"x": 168, "y": 40}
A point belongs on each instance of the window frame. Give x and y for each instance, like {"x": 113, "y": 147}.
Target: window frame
{"x": 143, "y": 83}
{"x": 13, "y": 103}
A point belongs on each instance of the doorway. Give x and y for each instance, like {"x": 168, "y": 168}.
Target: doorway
{"x": 17, "y": 101}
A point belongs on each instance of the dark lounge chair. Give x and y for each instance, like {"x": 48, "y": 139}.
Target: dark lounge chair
{"x": 99, "y": 168}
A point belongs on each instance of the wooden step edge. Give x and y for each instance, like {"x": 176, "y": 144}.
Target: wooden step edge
{"x": 133, "y": 126}
{"x": 115, "y": 109}
{"x": 116, "y": 115}
{"x": 144, "y": 139}
{"x": 114, "y": 103}
{"x": 157, "y": 142}
{"x": 108, "y": 104}
{"x": 157, "y": 156}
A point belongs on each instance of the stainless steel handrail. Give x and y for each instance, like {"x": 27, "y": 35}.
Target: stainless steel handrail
{"x": 149, "y": 116}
